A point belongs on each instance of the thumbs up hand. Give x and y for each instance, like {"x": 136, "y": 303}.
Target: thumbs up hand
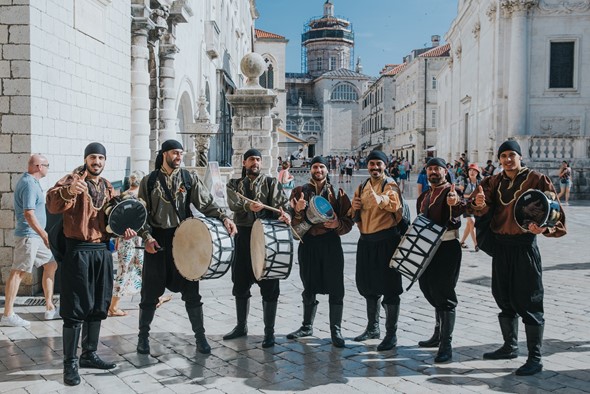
{"x": 480, "y": 197}
{"x": 301, "y": 204}
{"x": 452, "y": 196}
{"x": 79, "y": 184}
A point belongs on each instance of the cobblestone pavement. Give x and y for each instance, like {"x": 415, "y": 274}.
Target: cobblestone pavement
{"x": 31, "y": 359}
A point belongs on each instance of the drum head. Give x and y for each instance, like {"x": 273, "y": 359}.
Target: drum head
{"x": 322, "y": 207}
{"x": 258, "y": 249}
{"x": 126, "y": 214}
{"x": 192, "y": 248}
{"x": 531, "y": 207}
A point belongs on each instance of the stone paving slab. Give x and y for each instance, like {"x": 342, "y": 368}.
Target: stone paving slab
{"x": 30, "y": 359}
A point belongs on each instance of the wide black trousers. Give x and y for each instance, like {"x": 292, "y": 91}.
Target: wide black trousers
{"x": 439, "y": 280}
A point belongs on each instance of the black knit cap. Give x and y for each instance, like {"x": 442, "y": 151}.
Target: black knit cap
{"x": 377, "y": 155}
{"x": 95, "y": 148}
{"x": 252, "y": 152}
{"x": 170, "y": 145}
{"x": 437, "y": 161}
{"x": 509, "y": 145}
{"x": 319, "y": 159}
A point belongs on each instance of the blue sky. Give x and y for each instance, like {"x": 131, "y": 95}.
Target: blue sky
{"x": 385, "y": 30}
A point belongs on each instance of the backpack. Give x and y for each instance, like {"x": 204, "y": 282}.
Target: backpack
{"x": 406, "y": 217}
{"x": 186, "y": 180}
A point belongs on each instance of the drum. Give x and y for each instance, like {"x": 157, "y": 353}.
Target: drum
{"x": 124, "y": 212}
{"x": 318, "y": 211}
{"x": 417, "y": 248}
{"x": 202, "y": 248}
{"x": 271, "y": 248}
{"x": 535, "y": 206}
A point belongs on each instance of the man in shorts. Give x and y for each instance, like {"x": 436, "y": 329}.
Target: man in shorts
{"x": 31, "y": 242}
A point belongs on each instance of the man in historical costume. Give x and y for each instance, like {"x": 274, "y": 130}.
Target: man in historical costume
{"x": 87, "y": 267}
{"x": 517, "y": 284}
{"x": 321, "y": 259}
{"x": 265, "y": 190}
{"x": 377, "y": 209}
{"x": 443, "y": 205}
{"x": 168, "y": 192}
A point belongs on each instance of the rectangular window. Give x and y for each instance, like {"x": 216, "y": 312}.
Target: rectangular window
{"x": 433, "y": 118}
{"x": 433, "y": 83}
{"x": 318, "y": 63}
{"x": 561, "y": 67}
{"x": 332, "y": 63}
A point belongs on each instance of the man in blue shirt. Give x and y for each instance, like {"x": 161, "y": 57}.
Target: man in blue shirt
{"x": 31, "y": 242}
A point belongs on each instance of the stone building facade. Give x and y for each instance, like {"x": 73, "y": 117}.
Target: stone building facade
{"x": 399, "y": 111}
{"x": 519, "y": 70}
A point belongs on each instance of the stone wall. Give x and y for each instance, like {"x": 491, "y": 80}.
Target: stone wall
{"x": 64, "y": 82}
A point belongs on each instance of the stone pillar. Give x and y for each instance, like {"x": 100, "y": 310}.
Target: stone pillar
{"x": 252, "y": 123}
{"x": 140, "y": 81}
{"x": 179, "y": 13}
{"x": 274, "y": 151}
{"x": 518, "y": 68}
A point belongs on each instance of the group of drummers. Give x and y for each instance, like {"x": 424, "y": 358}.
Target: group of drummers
{"x": 256, "y": 243}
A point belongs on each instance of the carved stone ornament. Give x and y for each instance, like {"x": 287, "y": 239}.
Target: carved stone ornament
{"x": 458, "y": 51}
{"x": 559, "y": 126}
{"x": 510, "y": 7}
{"x": 253, "y": 66}
{"x": 159, "y": 16}
{"x": 564, "y": 6}
{"x": 476, "y": 30}
{"x": 492, "y": 11}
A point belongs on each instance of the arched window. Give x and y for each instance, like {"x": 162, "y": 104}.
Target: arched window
{"x": 344, "y": 92}
{"x": 312, "y": 126}
{"x": 266, "y": 80}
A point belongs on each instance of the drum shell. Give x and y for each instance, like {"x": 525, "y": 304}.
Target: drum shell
{"x": 417, "y": 248}
{"x": 316, "y": 212}
{"x": 271, "y": 248}
{"x": 202, "y": 249}
{"x": 545, "y": 212}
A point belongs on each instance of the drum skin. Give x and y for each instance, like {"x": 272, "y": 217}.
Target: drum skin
{"x": 192, "y": 248}
{"x": 124, "y": 213}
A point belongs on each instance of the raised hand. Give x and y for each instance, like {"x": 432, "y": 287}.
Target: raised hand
{"x": 301, "y": 204}
{"x": 452, "y": 196}
{"x": 356, "y": 203}
{"x": 480, "y": 197}
{"x": 79, "y": 184}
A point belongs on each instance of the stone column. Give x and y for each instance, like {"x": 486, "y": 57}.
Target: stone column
{"x": 518, "y": 68}
{"x": 252, "y": 122}
{"x": 140, "y": 81}
{"x": 179, "y": 13}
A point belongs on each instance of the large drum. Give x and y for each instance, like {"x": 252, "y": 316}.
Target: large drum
{"x": 271, "y": 247}
{"x": 202, "y": 248}
{"x": 123, "y": 212}
{"x": 535, "y": 206}
{"x": 318, "y": 211}
{"x": 417, "y": 248}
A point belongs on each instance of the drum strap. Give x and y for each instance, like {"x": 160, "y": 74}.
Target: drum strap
{"x": 186, "y": 180}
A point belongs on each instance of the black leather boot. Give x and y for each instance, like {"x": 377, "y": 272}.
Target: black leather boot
{"x": 391, "y": 316}
{"x": 434, "y": 340}
{"x": 145, "y": 319}
{"x": 335, "y": 324}
{"x": 534, "y": 341}
{"x": 242, "y": 310}
{"x": 306, "y": 328}
{"x": 71, "y": 336}
{"x": 447, "y": 325}
{"x": 195, "y": 315}
{"x": 89, "y": 358}
{"x": 509, "y": 349}
{"x": 269, "y": 312}
{"x": 372, "y": 331}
